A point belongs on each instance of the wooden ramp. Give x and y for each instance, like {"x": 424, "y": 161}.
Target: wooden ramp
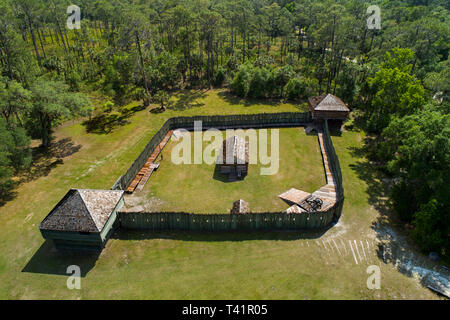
{"x": 146, "y": 171}
{"x": 328, "y": 192}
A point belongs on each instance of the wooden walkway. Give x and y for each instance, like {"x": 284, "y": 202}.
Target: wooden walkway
{"x": 328, "y": 191}
{"x": 146, "y": 171}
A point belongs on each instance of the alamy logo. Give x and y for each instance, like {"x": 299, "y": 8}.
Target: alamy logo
{"x": 74, "y": 281}
{"x": 374, "y": 20}
{"x": 74, "y": 19}
{"x": 374, "y": 280}
{"x": 257, "y": 141}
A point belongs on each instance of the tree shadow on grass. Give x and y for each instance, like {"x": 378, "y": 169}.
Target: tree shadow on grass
{"x": 232, "y": 99}
{"x": 156, "y": 110}
{"x": 209, "y": 236}
{"x": 48, "y": 260}
{"x": 8, "y": 195}
{"x": 105, "y": 123}
{"x": 378, "y": 184}
{"x": 46, "y": 159}
{"x": 186, "y": 100}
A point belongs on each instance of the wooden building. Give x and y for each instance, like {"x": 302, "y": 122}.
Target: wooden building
{"x": 83, "y": 219}
{"x": 328, "y": 106}
{"x": 240, "y": 207}
{"x": 234, "y": 157}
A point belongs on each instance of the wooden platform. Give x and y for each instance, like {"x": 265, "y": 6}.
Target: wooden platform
{"x": 323, "y": 150}
{"x": 294, "y": 196}
{"x": 146, "y": 171}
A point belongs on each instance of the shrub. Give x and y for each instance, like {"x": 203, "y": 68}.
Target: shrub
{"x": 428, "y": 223}
{"x": 232, "y": 64}
{"x": 259, "y": 83}
{"x": 219, "y": 77}
{"x": 73, "y": 80}
{"x": 281, "y": 78}
{"x": 295, "y": 88}
{"x": 107, "y": 107}
{"x": 241, "y": 82}
{"x": 404, "y": 200}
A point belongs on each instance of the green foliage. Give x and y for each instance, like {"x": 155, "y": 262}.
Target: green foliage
{"x": 295, "y": 89}
{"x": 14, "y": 154}
{"x": 232, "y": 64}
{"x": 264, "y": 61}
{"x": 73, "y": 80}
{"x": 5, "y": 162}
{"x": 161, "y": 97}
{"x": 261, "y": 82}
{"x": 220, "y": 76}
{"x": 439, "y": 81}
{"x": 163, "y": 71}
{"x": 417, "y": 151}
{"x": 14, "y": 98}
{"x": 400, "y": 58}
{"x": 107, "y": 106}
{"x": 347, "y": 80}
{"x": 241, "y": 82}
{"x": 282, "y": 75}
{"x": 259, "y": 86}
{"x": 20, "y": 153}
{"x": 432, "y": 225}
{"x": 396, "y": 92}
{"x": 17, "y": 60}
{"x": 53, "y": 64}
{"x": 52, "y": 102}
{"x": 118, "y": 76}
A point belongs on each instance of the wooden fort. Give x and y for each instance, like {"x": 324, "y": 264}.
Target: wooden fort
{"x": 233, "y": 158}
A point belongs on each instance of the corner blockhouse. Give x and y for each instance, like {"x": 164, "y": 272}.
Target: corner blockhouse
{"x": 83, "y": 219}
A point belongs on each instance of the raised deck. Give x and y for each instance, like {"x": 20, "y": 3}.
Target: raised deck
{"x": 147, "y": 169}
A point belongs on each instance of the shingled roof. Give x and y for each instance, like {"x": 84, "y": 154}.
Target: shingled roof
{"x": 82, "y": 210}
{"x": 328, "y": 102}
{"x": 234, "y": 151}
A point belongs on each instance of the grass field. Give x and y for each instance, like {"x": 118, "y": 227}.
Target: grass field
{"x": 173, "y": 186}
{"x": 269, "y": 265}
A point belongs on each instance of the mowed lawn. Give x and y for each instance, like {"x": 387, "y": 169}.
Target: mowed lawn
{"x": 168, "y": 265}
{"x": 173, "y": 186}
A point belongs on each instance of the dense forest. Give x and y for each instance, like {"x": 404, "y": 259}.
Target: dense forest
{"x": 395, "y": 79}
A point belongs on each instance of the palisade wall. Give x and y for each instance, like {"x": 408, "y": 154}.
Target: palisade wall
{"x": 335, "y": 169}
{"x": 225, "y": 221}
